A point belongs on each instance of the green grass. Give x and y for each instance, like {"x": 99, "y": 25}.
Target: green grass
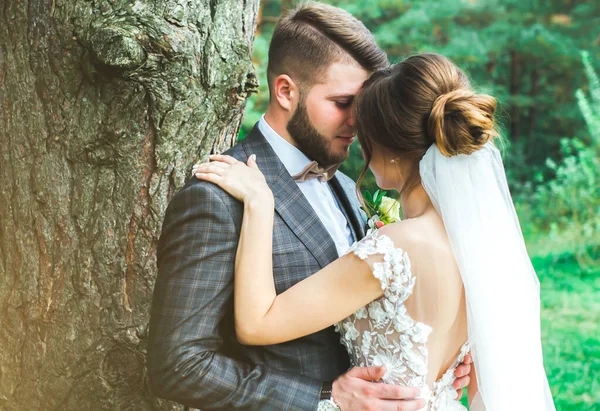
{"x": 571, "y": 331}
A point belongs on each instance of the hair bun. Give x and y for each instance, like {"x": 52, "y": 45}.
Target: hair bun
{"x": 461, "y": 121}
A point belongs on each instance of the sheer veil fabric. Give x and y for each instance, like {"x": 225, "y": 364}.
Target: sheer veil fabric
{"x": 471, "y": 194}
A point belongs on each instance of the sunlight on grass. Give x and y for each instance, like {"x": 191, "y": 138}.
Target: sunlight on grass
{"x": 571, "y": 332}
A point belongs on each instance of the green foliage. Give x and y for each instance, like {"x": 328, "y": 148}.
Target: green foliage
{"x": 590, "y": 108}
{"x": 567, "y": 206}
{"x": 570, "y": 328}
{"x": 373, "y": 201}
{"x": 570, "y": 202}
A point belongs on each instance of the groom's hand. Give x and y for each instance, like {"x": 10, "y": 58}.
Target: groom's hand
{"x": 462, "y": 375}
{"x": 357, "y": 390}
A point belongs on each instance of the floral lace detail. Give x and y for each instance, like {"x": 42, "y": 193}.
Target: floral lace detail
{"x": 382, "y": 333}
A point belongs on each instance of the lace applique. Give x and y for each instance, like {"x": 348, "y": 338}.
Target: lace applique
{"x": 382, "y": 333}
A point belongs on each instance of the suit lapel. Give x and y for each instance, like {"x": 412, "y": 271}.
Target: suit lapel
{"x": 301, "y": 218}
{"x": 290, "y": 203}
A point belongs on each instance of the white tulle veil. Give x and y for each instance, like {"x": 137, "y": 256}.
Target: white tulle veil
{"x": 502, "y": 290}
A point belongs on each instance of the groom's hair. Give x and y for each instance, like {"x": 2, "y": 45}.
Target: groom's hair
{"x": 310, "y": 37}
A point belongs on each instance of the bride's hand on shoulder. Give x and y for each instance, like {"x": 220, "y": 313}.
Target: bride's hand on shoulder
{"x": 244, "y": 182}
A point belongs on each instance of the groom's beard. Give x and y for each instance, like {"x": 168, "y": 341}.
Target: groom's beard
{"x": 312, "y": 143}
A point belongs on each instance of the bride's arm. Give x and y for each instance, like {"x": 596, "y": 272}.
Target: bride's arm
{"x": 261, "y": 316}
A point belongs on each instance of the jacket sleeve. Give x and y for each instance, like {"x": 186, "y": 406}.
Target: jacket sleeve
{"x": 193, "y": 293}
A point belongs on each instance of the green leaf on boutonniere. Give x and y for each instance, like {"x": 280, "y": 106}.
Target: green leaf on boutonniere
{"x": 368, "y": 197}
{"x": 377, "y": 197}
{"x": 373, "y": 201}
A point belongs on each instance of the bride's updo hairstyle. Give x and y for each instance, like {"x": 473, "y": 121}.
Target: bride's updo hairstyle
{"x": 425, "y": 99}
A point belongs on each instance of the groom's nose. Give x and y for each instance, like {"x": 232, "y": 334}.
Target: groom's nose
{"x": 350, "y": 121}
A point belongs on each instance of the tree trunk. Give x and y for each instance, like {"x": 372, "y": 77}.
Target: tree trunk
{"x": 105, "y": 105}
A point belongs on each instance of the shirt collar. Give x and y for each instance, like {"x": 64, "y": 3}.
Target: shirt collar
{"x": 292, "y": 158}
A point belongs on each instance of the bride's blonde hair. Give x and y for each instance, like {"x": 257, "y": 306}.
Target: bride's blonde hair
{"x": 425, "y": 99}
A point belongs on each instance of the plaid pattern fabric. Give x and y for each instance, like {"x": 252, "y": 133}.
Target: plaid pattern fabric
{"x": 193, "y": 355}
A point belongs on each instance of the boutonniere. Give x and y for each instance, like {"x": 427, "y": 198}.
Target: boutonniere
{"x": 383, "y": 210}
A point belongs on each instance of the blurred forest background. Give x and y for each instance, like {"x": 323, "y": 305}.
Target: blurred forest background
{"x": 540, "y": 59}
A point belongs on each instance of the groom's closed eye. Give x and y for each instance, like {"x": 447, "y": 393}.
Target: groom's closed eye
{"x": 343, "y": 104}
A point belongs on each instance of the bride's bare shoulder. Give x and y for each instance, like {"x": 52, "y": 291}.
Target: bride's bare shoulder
{"x": 425, "y": 235}
{"x": 408, "y": 233}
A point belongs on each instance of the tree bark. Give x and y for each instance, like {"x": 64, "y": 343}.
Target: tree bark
{"x": 105, "y": 105}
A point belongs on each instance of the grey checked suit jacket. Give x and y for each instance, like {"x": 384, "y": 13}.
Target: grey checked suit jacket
{"x": 193, "y": 355}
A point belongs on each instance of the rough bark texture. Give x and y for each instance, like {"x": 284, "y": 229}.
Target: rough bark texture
{"x": 105, "y": 105}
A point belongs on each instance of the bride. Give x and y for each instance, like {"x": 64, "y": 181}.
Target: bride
{"x": 414, "y": 295}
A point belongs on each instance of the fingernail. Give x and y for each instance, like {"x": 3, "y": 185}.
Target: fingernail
{"x": 253, "y": 157}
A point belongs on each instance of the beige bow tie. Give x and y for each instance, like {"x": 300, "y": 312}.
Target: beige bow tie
{"x": 313, "y": 170}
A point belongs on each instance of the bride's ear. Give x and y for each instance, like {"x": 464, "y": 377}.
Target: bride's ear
{"x": 286, "y": 92}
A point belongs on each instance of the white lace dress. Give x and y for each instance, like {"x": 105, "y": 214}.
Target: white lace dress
{"x": 382, "y": 333}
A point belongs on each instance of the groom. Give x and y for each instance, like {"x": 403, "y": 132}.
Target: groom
{"x": 318, "y": 59}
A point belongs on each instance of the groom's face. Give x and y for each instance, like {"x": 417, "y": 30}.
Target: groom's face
{"x": 322, "y": 125}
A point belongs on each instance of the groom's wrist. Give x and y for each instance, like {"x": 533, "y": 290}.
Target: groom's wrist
{"x": 326, "y": 402}
{"x": 326, "y": 388}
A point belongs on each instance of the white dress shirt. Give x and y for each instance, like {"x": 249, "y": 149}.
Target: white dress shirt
{"x": 318, "y": 193}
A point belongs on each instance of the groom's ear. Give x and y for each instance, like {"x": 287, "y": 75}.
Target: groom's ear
{"x": 286, "y": 92}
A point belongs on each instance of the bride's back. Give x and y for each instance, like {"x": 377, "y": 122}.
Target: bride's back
{"x": 438, "y": 298}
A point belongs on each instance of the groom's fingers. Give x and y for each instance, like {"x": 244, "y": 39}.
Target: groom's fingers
{"x": 462, "y": 370}
{"x": 396, "y": 392}
{"x": 384, "y": 405}
{"x": 468, "y": 359}
{"x": 356, "y": 390}
{"x": 367, "y": 373}
{"x": 462, "y": 382}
